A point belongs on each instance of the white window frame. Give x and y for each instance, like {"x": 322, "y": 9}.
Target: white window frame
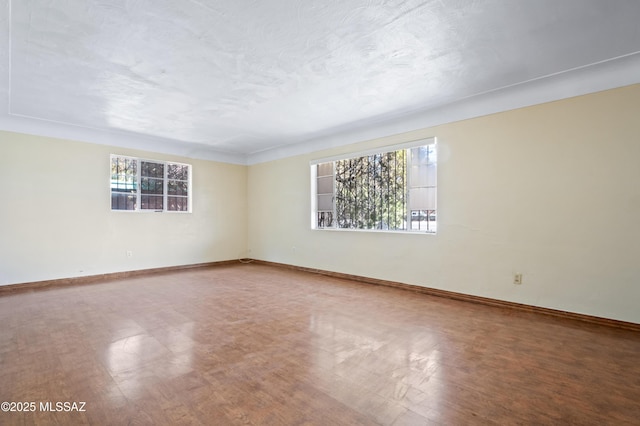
{"x": 381, "y": 150}
{"x": 138, "y": 192}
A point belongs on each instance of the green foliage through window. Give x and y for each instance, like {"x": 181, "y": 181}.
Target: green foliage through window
{"x": 393, "y": 190}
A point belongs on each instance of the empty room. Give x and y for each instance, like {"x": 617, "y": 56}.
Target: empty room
{"x": 370, "y": 212}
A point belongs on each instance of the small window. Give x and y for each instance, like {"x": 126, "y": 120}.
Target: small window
{"x": 390, "y": 190}
{"x": 149, "y": 185}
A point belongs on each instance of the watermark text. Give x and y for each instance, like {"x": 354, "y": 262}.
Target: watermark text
{"x": 48, "y": 406}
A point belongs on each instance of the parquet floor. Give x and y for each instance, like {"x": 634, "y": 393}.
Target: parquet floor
{"x": 257, "y": 344}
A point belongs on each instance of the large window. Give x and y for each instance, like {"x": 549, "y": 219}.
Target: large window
{"x": 393, "y": 190}
{"x": 149, "y": 185}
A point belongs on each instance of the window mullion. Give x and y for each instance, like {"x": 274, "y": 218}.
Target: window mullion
{"x": 408, "y": 169}
{"x": 138, "y": 190}
{"x": 165, "y": 185}
{"x": 334, "y": 215}
{"x": 393, "y": 191}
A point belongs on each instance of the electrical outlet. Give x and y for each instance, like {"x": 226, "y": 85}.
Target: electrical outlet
{"x": 517, "y": 279}
{"x": 129, "y": 253}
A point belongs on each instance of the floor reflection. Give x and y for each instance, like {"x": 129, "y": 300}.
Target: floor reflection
{"x": 350, "y": 354}
{"x": 137, "y": 362}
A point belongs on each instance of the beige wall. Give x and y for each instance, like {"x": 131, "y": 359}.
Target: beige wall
{"x": 550, "y": 191}
{"x": 56, "y": 222}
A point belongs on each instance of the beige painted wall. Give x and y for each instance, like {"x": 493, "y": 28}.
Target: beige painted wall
{"x": 550, "y": 191}
{"x": 56, "y": 222}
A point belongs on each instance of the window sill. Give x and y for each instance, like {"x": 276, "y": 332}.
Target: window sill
{"x": 376, "y": 231}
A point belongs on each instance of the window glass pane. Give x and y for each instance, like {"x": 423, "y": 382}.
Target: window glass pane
{"x": 371, "y": 191}
{"x": 151, "y": 202}
{"x": 431, "y": 174}
{"x": 177, "y": 188}
{"x": 423, "y": 220}
{"x": 177, "y": 204}
{"x": 418, "y": 176}
{"x": 150, "y": 169}
{"x": 325, "y": 220}
{"x": 325, "y": 202}
{"x": 123, "y": 166}
{"x": 325, "y": 169}
{"x": 123, "y": 202}
{"x": 422, "y": 198}
{"x": 123, "y": 184}
{"x": 423, "y": 154}
{"x": 422, "y": 194}
{"x": 151, "y": 186}
{"x": 131, "y": 166}
{"x": 325, "y": 185}
{"x": 177, "y": 171}
{"x": 423, "y": 175}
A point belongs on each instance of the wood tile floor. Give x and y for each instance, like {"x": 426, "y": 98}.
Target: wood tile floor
{"x": 257, "y": 344}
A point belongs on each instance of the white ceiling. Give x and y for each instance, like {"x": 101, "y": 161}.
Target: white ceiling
{"x": 251, "y": 80}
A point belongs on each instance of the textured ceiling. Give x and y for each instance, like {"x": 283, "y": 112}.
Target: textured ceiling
{"x": 244, "y": 77}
